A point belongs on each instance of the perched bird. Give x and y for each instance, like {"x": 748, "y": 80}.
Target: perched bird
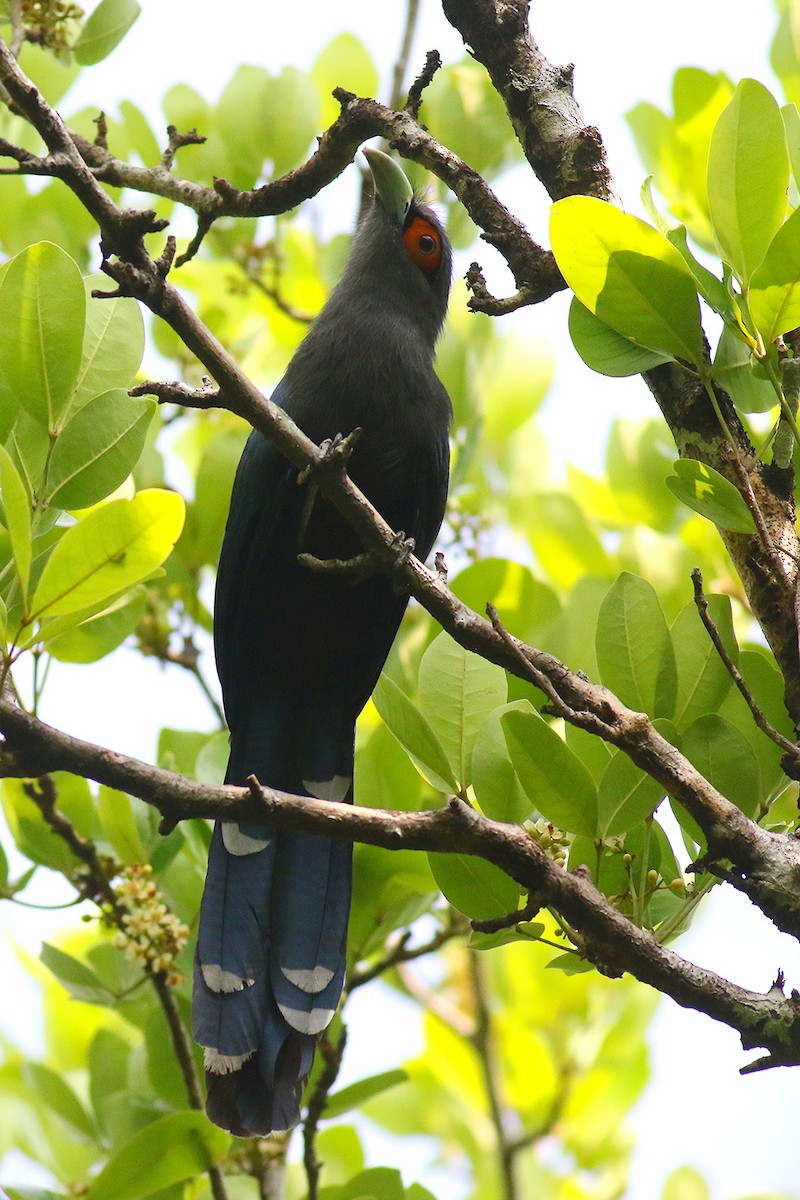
{"x": 299, "y": 652}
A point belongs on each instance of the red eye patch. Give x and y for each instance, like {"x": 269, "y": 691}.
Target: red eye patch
{"x": 423, "y": 242}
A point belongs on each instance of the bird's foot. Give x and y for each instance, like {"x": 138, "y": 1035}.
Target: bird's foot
{"x": 400, "y": 549}
{"x": 356, "y": 569}
{"x": 333, "y": 452}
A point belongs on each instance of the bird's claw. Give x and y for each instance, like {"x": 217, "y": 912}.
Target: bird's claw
{"x": 402, "y": 548}
{"x": 332, "y": 451}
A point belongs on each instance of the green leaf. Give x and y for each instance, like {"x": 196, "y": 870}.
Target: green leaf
{"x": 16, "y": 505}
{"x": 603, "y": 349}
{"x": 791, "y": 124}
{"x": 240, "y": 118}
{"x": 634, "y": 650}
{"x": 98, "y": 634}
{"x": 339, "y": 1147}
{"x": 97, "y": 449}
{"x": 414, "y": 734}
{"x": 627, "y": 274}
{"x": 113, "y": 343}
{"x": 56, "y": 1093}
{"x": 474, "y": 886}
{"x": 212, "y": 760}
{"x": 118, "y": 825}
{"x": 570, "y": 963}
{"x": 293, "y": 107}
{"x": 29, "y": 446}
{"x": 555, "y": 780}
{"x": 523, "y": 603}
{"x": 725, "y": 758}
{"x": 33, "y": 836}
{"x": 684, "y": 1183}
{"x": 167, "y": 1151}
{"x": 344, "y": 62}
{"x": 748, "y": 173}
{"x": 77, "y": 978}
{"x": 626, "y": 796}
{"x": 775, "y": 288}
{"x": 207, "y": 514}
{"x": 736, "y": 371}
{"x": 456, "y": 692}
{"x": 44, "y": 306}
{"x": 385, "y": 776}
{"x": 706, "y": 491}
{"x": 144, "y": 142}
{"x": 703, "y": 681}
{"x": 108, "y": 551}
{"x": 593, "y": 752}
{"x": 32, "y": 1193}
{"x": 107, "y": 1058}
{"x": 104, "y": 30}
{"x": 415, "y": 1191}
{"x": 675, "y": 149}
{"x": 565, "y": 542}
{"x": 766, "y": 685}
{"x": 464, "y": 111}
{"x": 378, "y": 1183}
{"x": 358, "y": 1093}
{"x": 178, "y": 750}
{"x": 497, "y": 787}
{"x": 524, "y": 931}
{"x": 711, "y": 288}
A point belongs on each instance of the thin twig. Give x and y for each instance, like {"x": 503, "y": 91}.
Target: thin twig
{"x": 401, "y": 952}
{"x": 771, "y": 552}
{"x": 17, "y": 27}
{"x": 175, "y": 392}
{"x": 332, "y": 1053}
{"x": 790, "y": 749}
{"x": 435, "y": 1002}
{"x": 433, "y": 64}
{"x": 272, "y": 292}
{"x": 496, "y": 924}
{"x": 484, "y": 1044}
{"x": 401, "y": 65}
{"x": 97, "y": 887}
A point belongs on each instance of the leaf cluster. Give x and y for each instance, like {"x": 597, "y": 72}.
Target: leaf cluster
{"x": 524, "y": 1045}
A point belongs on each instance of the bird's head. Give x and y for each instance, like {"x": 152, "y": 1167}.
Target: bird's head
{"x": 401, "y": 255}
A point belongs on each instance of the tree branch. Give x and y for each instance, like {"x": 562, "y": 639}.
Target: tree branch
{"x": 611, "y": 941}
{"x": 566, "y": 154}
{"x": 568, "y": 157}
{"x": 82, "y": 164}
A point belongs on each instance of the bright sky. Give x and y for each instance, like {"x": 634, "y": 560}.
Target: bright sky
{"x": 697, "y": 1109}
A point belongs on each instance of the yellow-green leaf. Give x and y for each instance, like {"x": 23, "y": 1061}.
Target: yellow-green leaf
{"x": 775, "y": 288}
{"x": 748, "y": 173}
{"x": 41, "y": 334}
{"x": 711, "y": 494}
{"x": 108, "y": 551}
{"x": 18, "y": 518}
{"x": 173, "y": 1148}
{"x": 627, "y": 274}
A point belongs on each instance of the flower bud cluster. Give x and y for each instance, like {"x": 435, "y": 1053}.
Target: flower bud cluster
{"x": 552, "y": 840}
{"x": 151, "y": 934}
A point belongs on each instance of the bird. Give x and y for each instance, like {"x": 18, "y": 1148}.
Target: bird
{"x": 299, "y": 651}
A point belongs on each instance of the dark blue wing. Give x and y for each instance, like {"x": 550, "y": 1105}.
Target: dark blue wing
{"x": 298, "y": 654}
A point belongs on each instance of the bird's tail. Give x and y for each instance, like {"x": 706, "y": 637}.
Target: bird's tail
{"x": 271, "y": 949}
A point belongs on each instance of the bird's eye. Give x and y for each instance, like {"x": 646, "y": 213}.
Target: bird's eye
{"x": 423, "y": 244}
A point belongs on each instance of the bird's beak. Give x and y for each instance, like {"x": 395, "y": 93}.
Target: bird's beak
{"x": 391, "y": 186}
